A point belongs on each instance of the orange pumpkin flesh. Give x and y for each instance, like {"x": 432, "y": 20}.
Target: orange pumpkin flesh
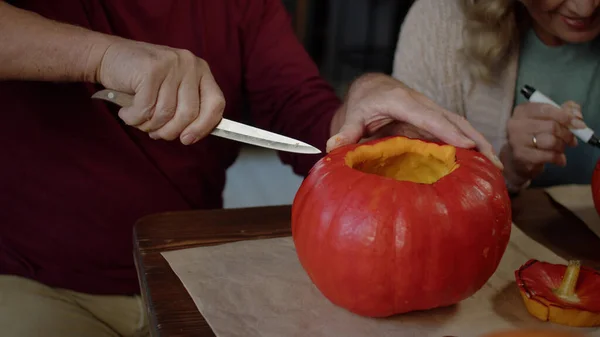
{"x": 566, "y": 295}
{"x": 397, "y": 225}
{"x": 417, "y": 162}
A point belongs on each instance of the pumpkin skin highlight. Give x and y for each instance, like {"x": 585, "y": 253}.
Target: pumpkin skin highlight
{"x": 379, "y": 246}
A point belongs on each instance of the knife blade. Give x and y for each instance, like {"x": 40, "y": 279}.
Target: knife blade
{"x": 229, "y": 129}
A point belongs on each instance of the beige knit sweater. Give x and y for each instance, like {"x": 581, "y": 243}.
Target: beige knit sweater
{"x": 427, "y": 59}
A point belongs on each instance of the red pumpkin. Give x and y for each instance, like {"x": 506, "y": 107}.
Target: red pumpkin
{"x": 397, "y": 225}
{"x": 596, "y": 187}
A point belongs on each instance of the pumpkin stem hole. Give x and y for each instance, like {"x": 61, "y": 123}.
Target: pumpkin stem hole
{"x": 404, "y": 159}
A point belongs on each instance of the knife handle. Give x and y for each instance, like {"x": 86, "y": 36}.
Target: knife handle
{"x": 120, "y": 98}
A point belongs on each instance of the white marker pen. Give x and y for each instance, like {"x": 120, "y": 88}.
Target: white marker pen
{"x": 587, "y": 134}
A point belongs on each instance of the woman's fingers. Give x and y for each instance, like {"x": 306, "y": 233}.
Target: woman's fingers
{"x": 574, "y": 108}
{"x": 532, "y": 157}
{"x": 550, "y": 134}
{"x": 542, "y": 111}
{"x": 539, "y": 133}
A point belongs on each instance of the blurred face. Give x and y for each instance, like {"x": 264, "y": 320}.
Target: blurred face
{"x": 565, "y": 21}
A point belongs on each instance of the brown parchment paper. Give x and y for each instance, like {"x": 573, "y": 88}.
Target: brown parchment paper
{"x": 578, "y": 199}
{"x": 258, "y": 288}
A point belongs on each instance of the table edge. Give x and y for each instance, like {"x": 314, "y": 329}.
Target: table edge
{"x": 139, "y": 251}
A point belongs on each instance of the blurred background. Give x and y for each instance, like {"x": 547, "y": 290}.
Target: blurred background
{"x": 345, "y": 38}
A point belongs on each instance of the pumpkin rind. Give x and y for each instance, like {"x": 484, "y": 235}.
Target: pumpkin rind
{"x": 378, "y": 246}
{"x": 538, "y": 281}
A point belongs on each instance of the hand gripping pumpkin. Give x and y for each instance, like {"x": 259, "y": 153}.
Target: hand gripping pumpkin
{"x": 567, "y": 295}
{"x": 397, "y": 225}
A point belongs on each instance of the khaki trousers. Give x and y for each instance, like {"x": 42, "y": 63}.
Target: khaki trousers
{"x": 32, "y": 309}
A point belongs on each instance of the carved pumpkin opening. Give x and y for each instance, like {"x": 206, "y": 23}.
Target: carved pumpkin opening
{"x": 404, "y": 159}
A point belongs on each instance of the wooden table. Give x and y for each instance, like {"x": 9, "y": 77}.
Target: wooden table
{"x": 172, "y": 312}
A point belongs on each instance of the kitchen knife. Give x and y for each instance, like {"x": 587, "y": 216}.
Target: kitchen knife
{"x": 229, "y": 129}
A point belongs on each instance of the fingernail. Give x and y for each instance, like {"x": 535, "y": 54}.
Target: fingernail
{"x": 578, "y": 123}
{"x": 188, "y": 139}
{"x": 577, "y": 113}
{"x": 337, "y": 139}
{"x": 153, "y": 136}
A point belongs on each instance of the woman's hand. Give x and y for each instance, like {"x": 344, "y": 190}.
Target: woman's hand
{"x": 175, "y": 92}
{"x": 379, "y": 105}
{"x": 537, "y": 135}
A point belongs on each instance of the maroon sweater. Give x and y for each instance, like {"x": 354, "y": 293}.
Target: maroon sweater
{"x": 74, "y": 178}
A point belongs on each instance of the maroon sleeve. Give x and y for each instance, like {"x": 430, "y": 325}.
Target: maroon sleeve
{"x": 285, "y": 91}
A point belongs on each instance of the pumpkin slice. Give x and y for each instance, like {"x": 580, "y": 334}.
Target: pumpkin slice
{"x": 566, "y": 295}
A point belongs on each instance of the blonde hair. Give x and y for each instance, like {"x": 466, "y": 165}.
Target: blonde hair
{"x": 491, "y": 34}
